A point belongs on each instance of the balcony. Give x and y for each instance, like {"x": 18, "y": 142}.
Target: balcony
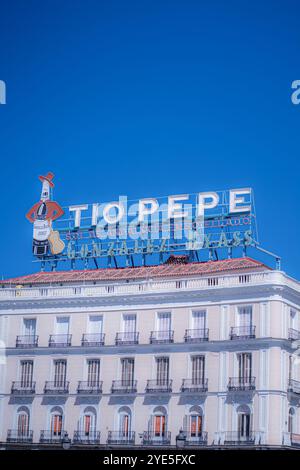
{"x": 195, "y": 439}
{"x": 242, "y": 332}
{"x": 86, "y": 438}
{"x": 121, "y": 438}
{"x": 50, "y": 437}
{"x": 241, "y": 384}
{"x": 162, "y": 337}
{"x": 159, "y": 386}
{"x": 60, "y": 341}
{"x": 27, "y": 341}
{"x": 56, "y": 388}
{"x": 293, "y": 334}
{"x": 156, "y": 439}
{"x": 127, "y": 338}
{"x": 194, "y": 385}
{"x": 23, "y": 388}
{"x": 19, "y": 436}
{"x": 89, "y": 388}
{"x": 196, "y": 336}
{"x": 93, "y": 339}
{"x": 295, "y": 439}
{"x": 238, "y": 438}
{"x": 294, "y": 386}
{"x": 124, "y": 386}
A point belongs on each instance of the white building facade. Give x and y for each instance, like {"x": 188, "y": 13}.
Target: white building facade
{"x": 137, "y": 356}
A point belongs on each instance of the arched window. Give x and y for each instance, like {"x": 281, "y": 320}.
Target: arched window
{"x": 158, "y": 423}
{"x": 291, "y": 420}
{"x": 124, "y": 421}
{"x": 193, "y": 425}
{"x": 56, "y": 421}
{"x": 87, "y": 422}
{"x": 244, "y": 422}
{"x": 23, "y": 421}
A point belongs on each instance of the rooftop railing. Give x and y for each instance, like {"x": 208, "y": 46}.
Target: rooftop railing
{"x": 118, "y": 288}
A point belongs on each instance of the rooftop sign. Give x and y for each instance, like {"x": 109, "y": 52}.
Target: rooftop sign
{"x": 133, "y": 230}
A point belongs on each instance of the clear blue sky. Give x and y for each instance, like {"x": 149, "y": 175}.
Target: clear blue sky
{"x": 149, "y": 98}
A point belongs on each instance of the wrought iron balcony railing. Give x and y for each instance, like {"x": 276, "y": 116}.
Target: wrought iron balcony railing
{"x": 90, "y": 387}
{"x": 18, "y": 435}
{"x": 295, "y": 439}
{"x": 124, "y": 386}
{"x": 161, "y": 337}
{"x": 241, "y": 384}
{"x": 23, "y": 388}
{"x": 60, "y": 341}
{"x": 153, "y": 438}
{"x": 56, "y": 388}
{"x": 86, "y": 438}
{"x": 194, "y": 385}
{"x": 159, "y": 386}
{"x": 195, "y": 439}
{"x": 293, "y": 334}
{"x": 239, "y": 438}
{"x": 242, "y": 332}
{"x": 50, "y": 437}
{"x": 27, "y": 341}
{"x": 93, "y": 339}
{"x": 121, "y": 437}
{"x": 127, "y": 338}
{"x": 294, "y": 386}
{"x": 196, "y": 336}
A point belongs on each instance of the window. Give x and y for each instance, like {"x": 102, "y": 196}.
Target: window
{"x": 198, "y": 363}
{"x": 95, "y": 324}
{"x": 22, "y": 422}
{"x": 124, "y": 417}
{"x": 245, "y": 366}
{"x": 26, "y": 373}
{"x": 56, "y": 423}
{"x": 293, "y": 319}
{"x": 162, "y": 370}
{"x": 199, "y": 320}
{"x": 163, "y": 325}
{"x": 245, "y": 316}
{"x": 60, "y": 371}
{"x": 87, "y": 422}
{"x": 158, "y": 423}
{"x": 127, "y": 371}
{"x": 291, "y": 420}
{"x": 93, "y": 372}
{"x": 62, "y": 326}
{"x": 244, "y": 422}
{"x": 29, "y": 327}
{"x": 129, "y": 327}
{"x": 195, "y": 425}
